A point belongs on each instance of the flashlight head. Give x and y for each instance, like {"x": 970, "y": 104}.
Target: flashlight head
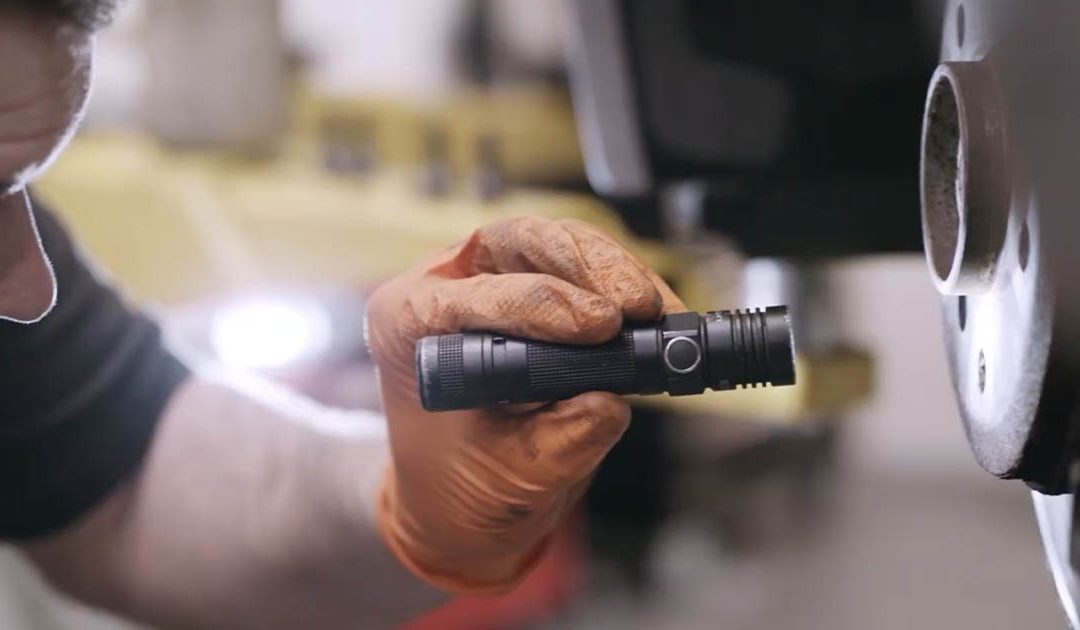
{"x": 749, "y": 348}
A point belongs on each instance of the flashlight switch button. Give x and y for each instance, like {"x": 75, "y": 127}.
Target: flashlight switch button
{"x": 682, "y": 355}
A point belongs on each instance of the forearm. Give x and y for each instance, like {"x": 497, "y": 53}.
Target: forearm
{"x": 253, "y": 510}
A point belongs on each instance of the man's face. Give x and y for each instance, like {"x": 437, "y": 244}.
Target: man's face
{"x": 44, "y": 83}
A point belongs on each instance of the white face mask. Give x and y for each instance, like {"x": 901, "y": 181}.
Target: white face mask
{"x": 27, "y": 283}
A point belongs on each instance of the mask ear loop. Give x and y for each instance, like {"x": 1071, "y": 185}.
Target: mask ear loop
{"x": 27, "y": 278}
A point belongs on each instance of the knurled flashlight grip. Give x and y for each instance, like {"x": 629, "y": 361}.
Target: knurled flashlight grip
{"x": 681, "y": 354}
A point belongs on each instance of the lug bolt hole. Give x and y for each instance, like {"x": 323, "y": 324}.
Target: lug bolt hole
{"x": 982, "y": 371}
{"x": 1025, "y": 247}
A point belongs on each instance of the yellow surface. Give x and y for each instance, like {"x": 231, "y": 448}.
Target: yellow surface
{"x": 828, "y": 384}
{"x": 175, "y": 227}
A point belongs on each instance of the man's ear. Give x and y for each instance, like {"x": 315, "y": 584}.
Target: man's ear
{"x": 27, "y": 283}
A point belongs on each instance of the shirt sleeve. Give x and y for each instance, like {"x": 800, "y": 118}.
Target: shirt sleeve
{"x": 81, "y": 392}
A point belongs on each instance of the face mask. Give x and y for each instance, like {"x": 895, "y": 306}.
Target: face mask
{"x": 27, "y": 284}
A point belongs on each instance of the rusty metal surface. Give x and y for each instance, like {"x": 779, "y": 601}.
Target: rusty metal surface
{"x": 1011, "y": 330}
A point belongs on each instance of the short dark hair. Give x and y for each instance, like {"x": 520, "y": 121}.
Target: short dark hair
{"x": 88, "y": 15}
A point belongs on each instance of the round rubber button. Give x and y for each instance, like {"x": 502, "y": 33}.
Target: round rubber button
{"x": 682, "y": 355}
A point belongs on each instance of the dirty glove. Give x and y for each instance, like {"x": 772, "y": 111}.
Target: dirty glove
{"x": 472, "y": 496}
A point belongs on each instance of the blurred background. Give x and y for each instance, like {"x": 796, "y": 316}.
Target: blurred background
{"x": 251, "y": 169}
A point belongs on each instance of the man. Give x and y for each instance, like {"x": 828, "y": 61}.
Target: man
{"x": 188, "y": 501}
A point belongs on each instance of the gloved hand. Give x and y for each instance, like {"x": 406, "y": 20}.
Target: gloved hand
{"x": 472, "y": 496}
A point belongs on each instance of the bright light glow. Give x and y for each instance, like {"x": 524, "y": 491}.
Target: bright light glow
{"x": 269, "y": 333}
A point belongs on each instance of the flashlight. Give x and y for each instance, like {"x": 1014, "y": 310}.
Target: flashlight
{"x": 681, "y": 354}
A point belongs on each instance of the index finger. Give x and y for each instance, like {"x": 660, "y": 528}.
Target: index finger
{"x": 566, "y": 250}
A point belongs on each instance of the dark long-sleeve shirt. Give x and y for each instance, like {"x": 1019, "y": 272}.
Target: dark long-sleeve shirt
{"x": 80, "y": 395}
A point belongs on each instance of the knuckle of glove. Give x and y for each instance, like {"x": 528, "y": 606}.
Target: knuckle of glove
{"x": 583, "y": 314}
{"x": 610, "y": 270}
{"x": 636, "y": 294}
{"x": 510, "y": 244}
{"x": 522, "y": 229}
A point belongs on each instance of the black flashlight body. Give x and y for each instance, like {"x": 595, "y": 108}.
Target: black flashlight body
{"x": 681, "y": 354}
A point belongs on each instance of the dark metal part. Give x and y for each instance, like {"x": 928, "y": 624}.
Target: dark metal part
{"x": 800, "y": 130}
{"x": 682, "y": 354}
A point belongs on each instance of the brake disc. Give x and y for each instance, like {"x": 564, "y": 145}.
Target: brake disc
{"x": 1000, "y": 188}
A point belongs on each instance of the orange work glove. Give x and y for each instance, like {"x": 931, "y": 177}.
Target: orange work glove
{"x": 472, "y": 496}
